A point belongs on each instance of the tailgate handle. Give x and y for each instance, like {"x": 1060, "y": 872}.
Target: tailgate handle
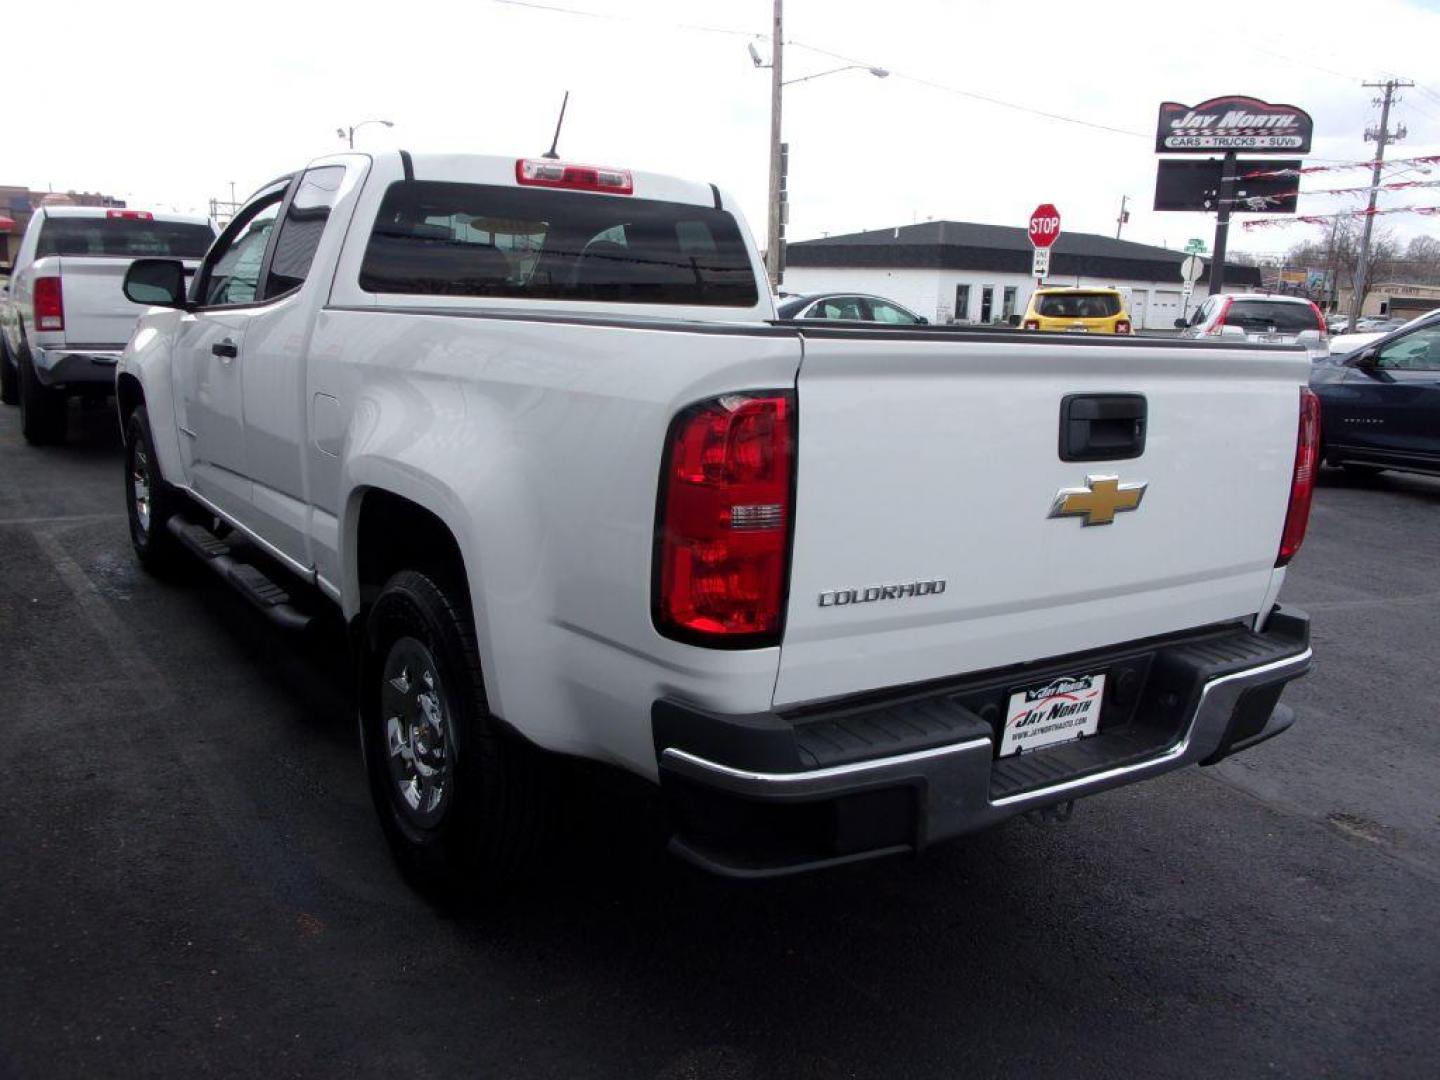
{"x": 1102, "y": 427}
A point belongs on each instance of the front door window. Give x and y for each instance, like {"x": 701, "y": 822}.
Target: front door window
{"x": 234, "y": 276}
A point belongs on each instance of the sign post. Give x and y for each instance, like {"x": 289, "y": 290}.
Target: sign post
{"x": 1044, "y": 231}
{"x": 1190, "y": 271}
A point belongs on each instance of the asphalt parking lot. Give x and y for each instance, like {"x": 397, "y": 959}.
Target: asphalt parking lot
{"x": 192, "y": 881}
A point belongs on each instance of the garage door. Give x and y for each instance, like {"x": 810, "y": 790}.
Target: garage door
{"x": 1164, "y": 309}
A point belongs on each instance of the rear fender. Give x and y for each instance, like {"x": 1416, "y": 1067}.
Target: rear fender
{"x": 416, "y": 439}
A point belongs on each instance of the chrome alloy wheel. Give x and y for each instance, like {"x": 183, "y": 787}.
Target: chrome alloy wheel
{"x": 418, "y": 735}
{"x": 140, "y": 486}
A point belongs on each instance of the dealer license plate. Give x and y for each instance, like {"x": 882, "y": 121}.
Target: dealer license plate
{"x": 1061, "y": 711}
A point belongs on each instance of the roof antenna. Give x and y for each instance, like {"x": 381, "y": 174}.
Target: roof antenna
{"x": 551, "y": 154}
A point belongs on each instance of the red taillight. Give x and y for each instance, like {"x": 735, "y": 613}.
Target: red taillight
{"x": 49, "y": 304}
{"x": 723, "y": 529}
{"x": 1032, "y": 324}
{"x": 1302, "y": 484}
{"x": 1122, "y": 326}
{"x": 1320, "y": 318}
{"x": 131, "y": 215}
{"x": 557, "y": 174}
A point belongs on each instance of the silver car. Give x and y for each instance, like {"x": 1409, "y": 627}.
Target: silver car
{"x": 1286, "y": 320}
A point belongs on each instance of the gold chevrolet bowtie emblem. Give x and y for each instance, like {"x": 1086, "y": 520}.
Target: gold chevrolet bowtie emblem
{"x": 1098, "y": 501}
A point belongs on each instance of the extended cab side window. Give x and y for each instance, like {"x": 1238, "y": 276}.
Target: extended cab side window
{"x": 232, "y": 275}
{"x": 300, "y": 232}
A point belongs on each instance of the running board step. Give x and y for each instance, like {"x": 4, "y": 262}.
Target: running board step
{"x": 249, "y": 580}
{"x": 198, "y": 539}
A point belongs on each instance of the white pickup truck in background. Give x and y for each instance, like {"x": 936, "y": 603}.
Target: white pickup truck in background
{"x": 64, "y": 318}
{"x": 839, "y": 591}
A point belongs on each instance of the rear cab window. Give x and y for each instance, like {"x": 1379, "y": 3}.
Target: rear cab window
{"x": 1272, "y": 315}
{"x": 122, "y": 238}
{"x": 1098, "y": 305}
{"x": 439, "y": 238}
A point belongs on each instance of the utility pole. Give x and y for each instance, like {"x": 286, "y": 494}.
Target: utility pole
{"x": 1382, "y": 136}
{"x": 1124, "y": 216}
{"x": 774, "y": 256}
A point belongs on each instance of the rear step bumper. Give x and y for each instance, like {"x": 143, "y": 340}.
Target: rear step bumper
{"x": 768, "y": 794}
{"x": 55, "y": 366}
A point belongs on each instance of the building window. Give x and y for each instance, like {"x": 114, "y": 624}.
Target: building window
{"x": 1009, "y": 309}
{"x": 987, "y": 302}
{"x": 962, "y": 302}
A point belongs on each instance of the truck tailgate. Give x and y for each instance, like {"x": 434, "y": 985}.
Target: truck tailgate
{"x": 932, "y": 458}
{"x": 96, "y": 311}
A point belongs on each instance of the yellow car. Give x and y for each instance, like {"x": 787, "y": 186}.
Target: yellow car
{"x": 1078, "y": 311}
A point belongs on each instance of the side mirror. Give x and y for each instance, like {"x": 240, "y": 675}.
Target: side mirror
{"x": 156, "y": 282}
{"x": 1182, "y": 324}
{"x": 1366, "y": 360}
{"x": 923, "y": 320}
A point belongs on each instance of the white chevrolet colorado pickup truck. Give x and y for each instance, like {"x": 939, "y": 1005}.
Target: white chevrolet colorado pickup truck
{"x": 839, "y": 592}
{"x": 63, "y": 316}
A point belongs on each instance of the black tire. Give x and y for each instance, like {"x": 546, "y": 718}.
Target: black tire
{"x": 490, "y": 818}
{"x": 9, "y": 376}
{"x": 488, "y": 822}
{"x": 149, "y": 501}
{"x": 44, "y": 412}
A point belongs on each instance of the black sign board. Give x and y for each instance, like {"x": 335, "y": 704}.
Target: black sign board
{"x": 1233, "y": 123}
{"x": 1195, "y": 185}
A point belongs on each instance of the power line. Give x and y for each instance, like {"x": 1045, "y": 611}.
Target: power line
{"x": 974, "y": 95}
{"x": 1304, "y": 63}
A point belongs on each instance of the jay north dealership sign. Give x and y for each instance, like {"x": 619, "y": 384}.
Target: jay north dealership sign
{"x": 1232, "y": 123}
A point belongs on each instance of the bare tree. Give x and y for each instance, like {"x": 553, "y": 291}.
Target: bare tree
{"x": 1421, "y": 262}
{"x": 1337, "y": 254}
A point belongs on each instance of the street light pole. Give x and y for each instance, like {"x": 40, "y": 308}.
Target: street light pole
{"x": 348, "y": 134}
{"x": 776, "y": 210}
{"x": 773, "y": 256}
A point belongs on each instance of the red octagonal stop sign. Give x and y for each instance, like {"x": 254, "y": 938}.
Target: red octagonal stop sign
{"x": 1044, "y": 225}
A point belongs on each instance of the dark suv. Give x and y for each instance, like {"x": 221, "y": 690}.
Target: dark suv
{"x": 1380, "y": 405}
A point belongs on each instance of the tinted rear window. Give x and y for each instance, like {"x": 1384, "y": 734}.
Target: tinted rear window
{"x": 128, "y": 238}
{"x": 443, "y": 239}
{"x": 1077, "y": 305}
{"x": 1267, "y": 315}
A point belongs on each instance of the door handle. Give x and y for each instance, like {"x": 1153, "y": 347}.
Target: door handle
{"x": 1102, "y": 427}
{"x": 227, "y": 349}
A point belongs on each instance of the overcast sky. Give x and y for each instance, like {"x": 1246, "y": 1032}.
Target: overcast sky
{"x": 165, "y": 104}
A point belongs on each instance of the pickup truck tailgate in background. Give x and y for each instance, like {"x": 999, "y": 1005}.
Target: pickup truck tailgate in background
{"x": 96, "y": 311}
{"x": 925, "y": 461}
